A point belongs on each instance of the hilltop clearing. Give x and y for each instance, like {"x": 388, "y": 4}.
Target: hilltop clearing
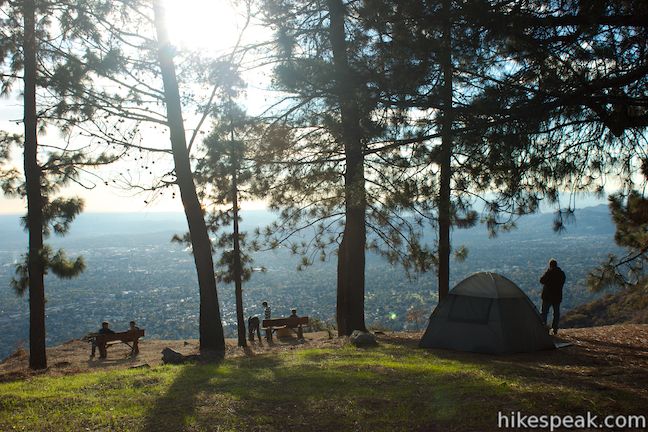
{"x": 328, "y": 385}
{"x": 134, "y": 273}
{"x": 73, "y": 356}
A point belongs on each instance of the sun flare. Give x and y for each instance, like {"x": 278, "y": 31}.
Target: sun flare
{"x": 205, "y": 25}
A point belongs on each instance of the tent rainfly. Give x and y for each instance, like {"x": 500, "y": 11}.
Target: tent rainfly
{"x": 486, "y": 313}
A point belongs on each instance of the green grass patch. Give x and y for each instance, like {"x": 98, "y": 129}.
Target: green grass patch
{"x": 389, "y": 388}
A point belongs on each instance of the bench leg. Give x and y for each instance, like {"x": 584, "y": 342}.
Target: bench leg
{"x": 269, "y": 334}
{"x": 135, "y": 348}
{"x": 103, "y": 352}
{"x": 300, "y": 333}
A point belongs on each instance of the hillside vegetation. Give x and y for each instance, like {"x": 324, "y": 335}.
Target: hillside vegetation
{"x": 629, "y": 305}
{"x": 329, "y": 385}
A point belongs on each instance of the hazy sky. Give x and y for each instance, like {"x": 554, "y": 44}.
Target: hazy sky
{"x": 209, "y": 26}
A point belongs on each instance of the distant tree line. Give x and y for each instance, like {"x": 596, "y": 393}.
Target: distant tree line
{"x": 393, "y": 116}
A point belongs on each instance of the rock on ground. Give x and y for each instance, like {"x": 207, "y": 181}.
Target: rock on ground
{"x": 362, "y": 339}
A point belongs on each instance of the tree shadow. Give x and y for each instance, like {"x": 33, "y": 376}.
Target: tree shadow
{"x": 177, "y": 408}
{"x": 345, "y": 391}
{"x": 631, "y": 349}
{"x": 98, "y": 363}
{"x": 272, "y": 393}
{"x": 172, "y": 409}
{"x": 597, "y": 366}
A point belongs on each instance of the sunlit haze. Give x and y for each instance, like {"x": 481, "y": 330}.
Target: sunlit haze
{"x": 211, "y": 27}
{"x": 206, "y": 25}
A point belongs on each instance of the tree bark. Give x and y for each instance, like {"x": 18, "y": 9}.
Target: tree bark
{"x": 341, "y": 301}
{"x": 351, "y": 279}
{"x": 211, "y": 327}
{"x": 238, "y": 282}
{"x": 36, "y": 271}
{"x": 445, "y": 155}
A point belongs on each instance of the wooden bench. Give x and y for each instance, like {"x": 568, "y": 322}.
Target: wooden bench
{"x": 132, "y": 336}
{"x": 293, "y": 323}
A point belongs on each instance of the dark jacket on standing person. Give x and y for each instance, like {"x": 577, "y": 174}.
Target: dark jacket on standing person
{"x": 552, "y": 280}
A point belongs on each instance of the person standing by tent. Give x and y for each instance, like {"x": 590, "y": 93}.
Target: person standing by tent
{"x": 552, "y": 280}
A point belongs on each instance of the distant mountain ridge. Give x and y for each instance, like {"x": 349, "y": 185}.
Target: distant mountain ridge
{"x": 586, "y": 221}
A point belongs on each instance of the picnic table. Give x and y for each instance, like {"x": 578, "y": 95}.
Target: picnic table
{"x": 294, "y": 323}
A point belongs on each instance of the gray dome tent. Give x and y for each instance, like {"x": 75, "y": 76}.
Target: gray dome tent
{"x": 486, "y": 313}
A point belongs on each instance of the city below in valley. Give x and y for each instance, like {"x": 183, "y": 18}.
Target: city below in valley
{"x": 134, "y": 272}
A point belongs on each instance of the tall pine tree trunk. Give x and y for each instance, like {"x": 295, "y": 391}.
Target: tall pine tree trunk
{"x": 238, "y": 268}
{"x": 342, "y": 294}
{"x": 211, "y": 327}
{"x": 37, "y": 354}
{"x": 446, "y": 155}
{"x": 351, "y": 265}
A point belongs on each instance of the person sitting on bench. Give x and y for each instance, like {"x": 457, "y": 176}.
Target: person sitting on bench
{"x": 105, "y": 329}
{"x": 133, "y": 327}
{"x": 291, "y": 322}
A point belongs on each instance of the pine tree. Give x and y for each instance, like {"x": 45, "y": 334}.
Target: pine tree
{"x": 351, "y": 254}
{"x": 224, "y": 175}
{"x": 530, "y": 79}
{"x": 574, "y": 90}
{"x": 372, "y": 86}
{"x": 211, "y": 328}
{"x": 136, "y": 91}
{"x": 110, "y": 94}
{"x": 630, "y": 215}
{"x": 30, "y": 47}
{"x": 316, "y": 168}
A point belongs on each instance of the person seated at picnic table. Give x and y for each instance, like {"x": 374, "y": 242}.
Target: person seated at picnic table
{"x": 293, "y": 315}
{"x": 133, "y": 327}
{"x": 105, "y": 329}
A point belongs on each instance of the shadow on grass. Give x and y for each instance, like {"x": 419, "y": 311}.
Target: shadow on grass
{"x": 395, "y": 387}
{"x": 611, "y": 377}
{"x": 194, "y": 384}
{"x": 390, "y": 388}
{"x": 97, "y": 363}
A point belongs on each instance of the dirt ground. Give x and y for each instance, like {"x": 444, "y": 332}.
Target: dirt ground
{"x": 74, "y": 356}
{"x": 616, "y": 354}
{"x": 599, "y": 358}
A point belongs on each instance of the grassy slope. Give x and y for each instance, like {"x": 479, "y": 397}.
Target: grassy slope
{"x": 390, "y": 388}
